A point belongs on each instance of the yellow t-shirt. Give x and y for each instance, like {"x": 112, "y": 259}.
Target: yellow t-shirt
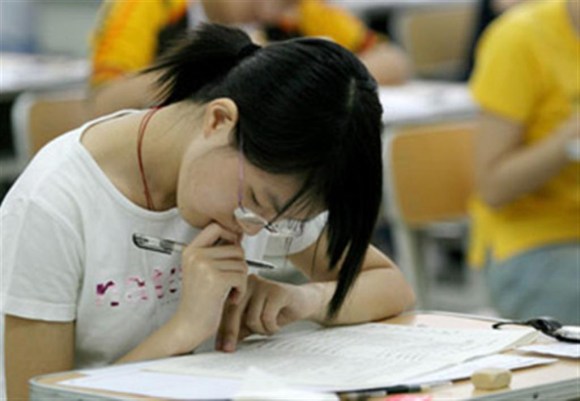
{"x": 316, "y": 18}
{"x": 527, "y": 71}
{"x": 131, "y": 34}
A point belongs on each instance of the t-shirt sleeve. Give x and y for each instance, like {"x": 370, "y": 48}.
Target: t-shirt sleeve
{"x": 506, "y": 75}
{"x": 41, "y": 264}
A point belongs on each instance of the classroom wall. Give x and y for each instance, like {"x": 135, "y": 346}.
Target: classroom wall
{"x": 47, "y": 26}
{"x": 64, "y": 25}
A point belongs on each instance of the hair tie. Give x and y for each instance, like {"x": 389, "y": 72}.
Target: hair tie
{"x": 248, "y": 50}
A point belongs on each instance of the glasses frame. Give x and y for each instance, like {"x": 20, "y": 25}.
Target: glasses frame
{"x": 281, "y": 228}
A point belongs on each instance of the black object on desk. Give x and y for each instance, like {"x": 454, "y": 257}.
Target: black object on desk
{"x": 549, "y": 326}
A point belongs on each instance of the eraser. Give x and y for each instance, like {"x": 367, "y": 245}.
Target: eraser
{"x": 491, "y": 378}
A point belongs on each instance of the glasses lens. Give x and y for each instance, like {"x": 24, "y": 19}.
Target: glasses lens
{"x": 282, "y": 228}
{"x": 286, "y": 228}
{"x": 247, "y": 217}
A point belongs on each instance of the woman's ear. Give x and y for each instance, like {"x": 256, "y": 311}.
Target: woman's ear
{"x": 221, "y": 115}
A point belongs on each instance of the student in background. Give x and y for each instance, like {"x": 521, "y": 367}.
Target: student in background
{"x": 284, "y": 138}
{"x": 527, "y": 215}
{"x": 487, "y": 11}
{"x": 130, "y": 35}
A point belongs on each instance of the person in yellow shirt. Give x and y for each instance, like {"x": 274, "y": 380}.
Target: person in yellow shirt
{"x": 130, "y": 35}
{"x": 526, "y": 215}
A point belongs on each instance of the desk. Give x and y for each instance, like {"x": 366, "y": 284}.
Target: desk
{"x": 558, "y": 381}
{"x": 21, "y": 72}
{"x": 425, "y": 102}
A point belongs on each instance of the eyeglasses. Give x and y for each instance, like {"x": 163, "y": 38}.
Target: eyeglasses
{"x": 254, "y": 222}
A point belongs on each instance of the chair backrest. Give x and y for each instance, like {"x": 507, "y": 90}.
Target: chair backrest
{"x": 429, "y": 176}
{"x": 429, "y": 173}
{"x": 437, "y": 38}
{"x": 38, "y": 118}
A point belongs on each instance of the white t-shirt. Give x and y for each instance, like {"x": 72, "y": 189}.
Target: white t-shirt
{"x": 67, "y": 253}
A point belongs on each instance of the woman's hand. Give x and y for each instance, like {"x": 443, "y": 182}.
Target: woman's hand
{"x": 214, "y": 269}
{"x": 266, "y": 307}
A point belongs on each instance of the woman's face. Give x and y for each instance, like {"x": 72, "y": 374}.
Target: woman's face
{"x": 209, "y": 186}
{"x": 247, "y": 11}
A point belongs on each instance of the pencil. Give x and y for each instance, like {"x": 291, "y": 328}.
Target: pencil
{"x": 169, "y": 247}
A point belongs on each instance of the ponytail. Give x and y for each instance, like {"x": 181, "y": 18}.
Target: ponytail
{"x": 202, "y": 57}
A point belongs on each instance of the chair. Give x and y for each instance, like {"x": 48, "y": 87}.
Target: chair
{"x": 38, "y": 118}
{"x": 429, "y": 176}
{"x": 436, "y": 38}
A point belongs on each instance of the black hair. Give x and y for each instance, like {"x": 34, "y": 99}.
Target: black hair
{"x": 307, "y": 107}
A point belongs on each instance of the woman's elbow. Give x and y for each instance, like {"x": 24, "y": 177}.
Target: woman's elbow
{"x": 404, "y": 297}
{"x": 408, "y": 299}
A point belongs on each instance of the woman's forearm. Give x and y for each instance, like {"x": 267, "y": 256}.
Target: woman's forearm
{"x": 523, "y": 169}
{"x": 169, "y": 340}
{"x": 377, "y": 294}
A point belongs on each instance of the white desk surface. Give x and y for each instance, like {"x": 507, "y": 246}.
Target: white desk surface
{"x": 420, "y": 102}
{"x": 21, "y": 72}
{"x": 414, "y": 102}
{"x": 558, "y": 381}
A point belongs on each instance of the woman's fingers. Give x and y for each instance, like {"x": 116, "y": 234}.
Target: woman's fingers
{"x": 271, "y": 314}
{"x": 235, "y": 252}
{"x": 263, "y": 309}
{"x": 232, "y": 317}
{"x": 254, "y": 310}
{"x": 213, "y": 275}
{"x": 213, "y": 234}
{"x": 228, "y": 331}
{"x": 236, "y": 281}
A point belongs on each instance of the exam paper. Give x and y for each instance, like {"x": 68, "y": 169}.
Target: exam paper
{"x": 350, "y": 357}
{"x": 557, "y": 348}
{"x": 262, "y": 386}
{"x": 160, "y": 385}
{"x": 466, "y": 369}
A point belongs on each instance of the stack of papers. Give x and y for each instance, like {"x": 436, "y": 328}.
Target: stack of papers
{"x": 318, "y": 360}
{"x": 556, "y": 348}
{"x": 345, "y": 358}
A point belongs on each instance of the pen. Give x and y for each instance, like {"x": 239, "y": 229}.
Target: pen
{"x": 169, "y": 247}
{"x": 363, "y": 394}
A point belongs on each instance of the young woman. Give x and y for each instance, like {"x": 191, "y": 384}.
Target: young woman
{"x": 526, "y": 216}
{"x": 245, "y": 139}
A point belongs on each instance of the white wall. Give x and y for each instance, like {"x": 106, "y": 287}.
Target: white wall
{"x": 53, "y": 26}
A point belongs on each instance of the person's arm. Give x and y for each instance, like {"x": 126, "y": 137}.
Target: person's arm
{"x": 506, "y": 169}
{"x": 379, "y": 292}
{"x": 25, "y": 340}
{"x": 387, "y": 63}
{"x": 135, "y": 91}
{"x": 211, "y": 274}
